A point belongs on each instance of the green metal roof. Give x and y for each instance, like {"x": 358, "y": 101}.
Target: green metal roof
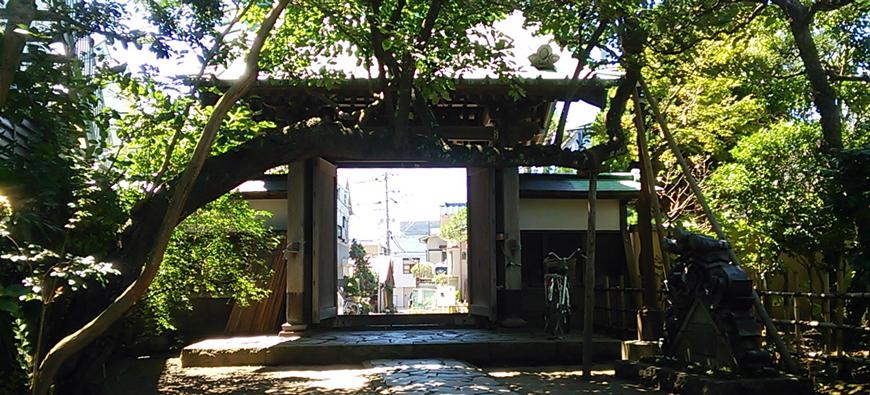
{"x": 615, "y": 185}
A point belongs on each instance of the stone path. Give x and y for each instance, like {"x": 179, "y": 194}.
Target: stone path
{"x": 436, "y": 376}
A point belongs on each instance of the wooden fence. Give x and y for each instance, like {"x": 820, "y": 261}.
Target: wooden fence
{"x": 813, "y": 323}
{"x": 616, "y": 306}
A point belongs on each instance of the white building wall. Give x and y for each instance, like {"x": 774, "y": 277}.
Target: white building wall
{"x": 566, "y": 214}
{"x": 278, "y": 208}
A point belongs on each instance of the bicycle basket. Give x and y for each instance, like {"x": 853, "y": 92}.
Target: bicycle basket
{"x": 556, "y": 266}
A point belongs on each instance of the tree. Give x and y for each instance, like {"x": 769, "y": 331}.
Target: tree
{"x": 423, "y": 270}
{"x": 219, "y": 251}
{"x": 455, "y": 229}
{"x": 363, "y": 284}
{"x": 47, "y": 368}
{"x": 772, "y": 198}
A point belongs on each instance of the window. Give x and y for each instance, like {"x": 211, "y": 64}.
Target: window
{"x": 408, "y": 263}
{"x": 443, "y": 256}
{"x": 464, "y": 255}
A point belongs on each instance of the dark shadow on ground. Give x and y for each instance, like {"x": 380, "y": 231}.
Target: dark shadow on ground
{"x": 564, "y": 380}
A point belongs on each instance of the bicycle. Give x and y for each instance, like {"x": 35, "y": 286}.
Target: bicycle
{"x": 557, "y": 315}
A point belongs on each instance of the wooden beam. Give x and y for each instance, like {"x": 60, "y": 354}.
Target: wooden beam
{"x": 40, "y": 15}
{"x": 592, "y": 91}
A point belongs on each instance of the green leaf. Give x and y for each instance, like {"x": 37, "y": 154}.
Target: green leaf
{"x": 10, "y": 306}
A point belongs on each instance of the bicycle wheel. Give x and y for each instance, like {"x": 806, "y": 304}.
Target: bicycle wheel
{"x": 555, "y": 321}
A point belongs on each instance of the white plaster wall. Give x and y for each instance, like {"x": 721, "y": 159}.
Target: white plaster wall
{"x": 278, "y": 208}
{"x": 566, "y": 214}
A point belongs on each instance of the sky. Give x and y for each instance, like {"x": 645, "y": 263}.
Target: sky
{"x": 415, "y": 195}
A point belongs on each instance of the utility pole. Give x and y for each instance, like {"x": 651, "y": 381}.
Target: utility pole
{"x": 387, "y": 210}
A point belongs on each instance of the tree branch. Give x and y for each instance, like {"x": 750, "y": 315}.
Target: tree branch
{"x": 857, "y": 78}
{"x": 429, "y": 24}
{"x": 397, "y": 12}
{"x": 377, "y": 38}
{"x": 581, "y": 62}
{"x": 406, "y": 79}
{"x": 718, "y": 33}
{"x": 829, "y": 5}
{"x": 182, "y": 120}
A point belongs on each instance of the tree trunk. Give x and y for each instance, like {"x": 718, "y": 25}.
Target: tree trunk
{"x": 21, "y": 13}
{"x": 800, "y": 18}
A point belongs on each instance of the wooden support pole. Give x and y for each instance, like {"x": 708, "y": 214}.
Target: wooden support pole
{"x": 839, "y": 310}
{"x": 589, "y": 276}
{"x": 650, "y": 317}
{"x": 646, "y": 162}
{"x": 827, "y": 333}
{"x": 608, "y": 307}
{"x": 797, "y": 314}
{"x": 717, "y": 227}
{"x": 623, "y": 326}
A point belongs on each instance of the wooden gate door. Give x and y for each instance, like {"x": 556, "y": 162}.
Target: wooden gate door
{"x": 324, "y": 254}
{"x": 481, "y": 242}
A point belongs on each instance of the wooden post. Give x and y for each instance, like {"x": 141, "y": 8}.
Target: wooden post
{"x": 797, "y": 315}
{"x": 650, "y": 318}
{"x": 786, "y": 300}
{"x": 608, "y": 307}
{"x": 623, "y": 328}
{"x": 295, "y": 251}
{"x": 827, "y": 339}
{"x": 839, "y": 310}
{"x": 650, "y": 186}
{"x": 717, "y": 227}
{"x": 589, "y": 280}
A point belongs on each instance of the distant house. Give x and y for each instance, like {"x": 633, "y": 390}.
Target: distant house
{"x": 403, "y": 283}
{"x": 342, "y": 221}
{"x": 450, "y": 259}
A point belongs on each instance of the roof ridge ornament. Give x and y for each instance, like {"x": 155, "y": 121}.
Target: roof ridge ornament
{"x": 544, "y": 59}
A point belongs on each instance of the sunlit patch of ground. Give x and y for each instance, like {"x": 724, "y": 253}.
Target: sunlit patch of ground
{"x": 237, "y": 380}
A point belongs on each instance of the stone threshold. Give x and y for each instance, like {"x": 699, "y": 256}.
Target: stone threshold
{"x": 476, "y": 346}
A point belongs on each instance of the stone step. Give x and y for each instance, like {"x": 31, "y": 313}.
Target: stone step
{"x": 478, "y": 347}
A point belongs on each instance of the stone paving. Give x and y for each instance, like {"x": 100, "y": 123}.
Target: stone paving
{"x": 415, "y": 376}
{"x": 436, "y": 376}
{"x": 331, "y": 347}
